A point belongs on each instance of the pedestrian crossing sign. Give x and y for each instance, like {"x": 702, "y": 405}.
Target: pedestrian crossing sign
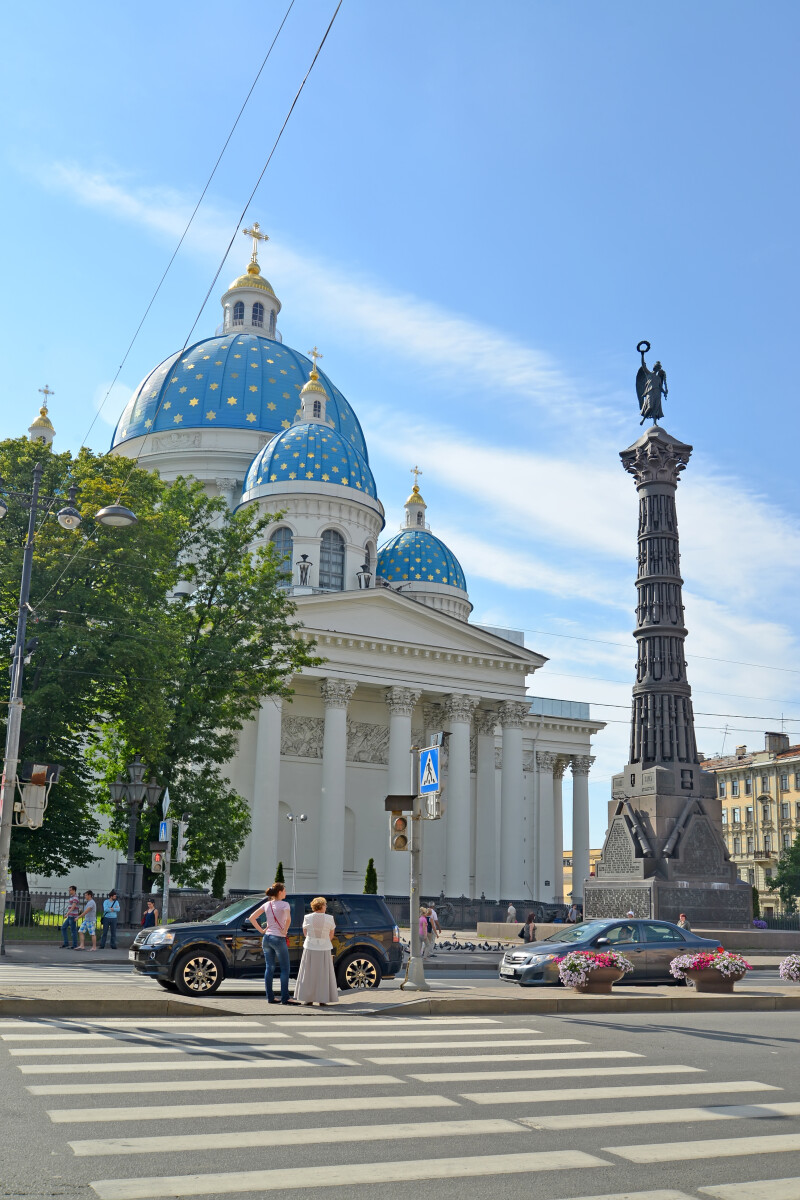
{"x": 429, "y": 771}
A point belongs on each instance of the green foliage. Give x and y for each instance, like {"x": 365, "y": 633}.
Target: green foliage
{"x": 786, "y": 880}
{"x": 123, "y": 667}
{"x": 371, "y": 879}
{"x": 756, "y": 902}
{"x": 218, "y": 881}
{"x": 279, "y": 874}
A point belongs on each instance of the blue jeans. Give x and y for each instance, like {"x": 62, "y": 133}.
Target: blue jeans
{"x": 276, "y": 953}
{"x": 69, "y": 926}
{"x": 109, "y": 929}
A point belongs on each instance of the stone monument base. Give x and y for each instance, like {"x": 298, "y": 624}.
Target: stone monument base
{"x": 721, "y": 905}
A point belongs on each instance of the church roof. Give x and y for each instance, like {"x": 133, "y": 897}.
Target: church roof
{"x": 311, "y": 452}
{"x": 417, "y": 555}
{"x": 239, "y": 381}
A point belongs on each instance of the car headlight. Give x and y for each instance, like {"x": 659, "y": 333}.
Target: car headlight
{"x": 541, "y": 958}
{"x": 161, "y": 937}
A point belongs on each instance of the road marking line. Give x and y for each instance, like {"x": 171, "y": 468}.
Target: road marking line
{"x": 148, "y": 1045}
{"x": 170, "y": 1112}
{"x": 438, "y": 1033}
{"x": 387, "y": 1060}
{"x": 775, "y": 1189}
{"x": 178, "y": 1064}
{"x": 661, "y": 1116}
{"x": 169, "y": 1142}
{"x": 407, "y": 1170}
{"x": 771, "y": 1143}
{"x": 125, "y": 1034}
{"x": 554, "y": 1073}
{"x": 476, "y": 1045}
{"x": 380, "y": 1022}
{"x": 631, "y": 1092}
{"x": 131, "y": 1086}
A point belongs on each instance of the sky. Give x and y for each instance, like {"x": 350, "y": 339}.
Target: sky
{"x": 476, "y": 211}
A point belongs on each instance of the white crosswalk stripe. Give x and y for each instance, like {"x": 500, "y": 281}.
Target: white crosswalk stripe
{"x": 472, "y": 1044}
{"x": 534, "y": 1056}
{"x": 575, "y": 1095}
{"x": 759, "y": 1189}
{"x": 550, "y": 1073}
{"x": 282, "y": 1061}
{"x": 139, "y": 1087}
{"x": 174, "y": 1047}
{"x": 171, "y": 1112}
{"x": 662, "y": 1116}
{"x": 777, "y": 1143}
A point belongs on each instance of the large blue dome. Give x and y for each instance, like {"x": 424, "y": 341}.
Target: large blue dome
{"x": 417, "y": 555}
{"x": 239, "y": 381}
{"x": 306, "y": 453}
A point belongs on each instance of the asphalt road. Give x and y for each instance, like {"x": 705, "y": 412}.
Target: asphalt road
{"x": 333, "y": 1107}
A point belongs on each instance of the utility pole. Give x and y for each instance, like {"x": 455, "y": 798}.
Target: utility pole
{"x": 415, "y": 980}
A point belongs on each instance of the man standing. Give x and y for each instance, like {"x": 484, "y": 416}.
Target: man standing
{"x": 434, "y": 929}
{"x": 572, "y": 915}
{"x": 511, "y": 915}
{"x": 110, "y": 914}
{"x": 69, "y": 925}
{"x": 88, "y": 919}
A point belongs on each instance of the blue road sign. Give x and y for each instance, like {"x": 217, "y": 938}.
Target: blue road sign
{"x": 163, "y": 831}
{"x": 429, "y": 771}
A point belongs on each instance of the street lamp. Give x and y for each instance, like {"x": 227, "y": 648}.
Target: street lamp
{"x": 68, "y": 518}
{"x": 295, "y": 818}
{"x": 131, "y": 794}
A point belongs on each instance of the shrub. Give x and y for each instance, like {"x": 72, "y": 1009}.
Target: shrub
{"x": 279, "y": 874}
{"x": 759, "y": 924}
{"x": 218, "y": 881}
{"x": 371, "y": 879}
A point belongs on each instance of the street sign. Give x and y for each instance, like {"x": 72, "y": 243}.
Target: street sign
{"x": 165, "y": 802}
{"x": 164, "y": 831}
{"x": 429, "y": 771}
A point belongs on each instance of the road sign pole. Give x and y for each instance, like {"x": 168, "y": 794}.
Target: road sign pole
{"x": 167, "y": 865}
{"x": 415, "y": 974}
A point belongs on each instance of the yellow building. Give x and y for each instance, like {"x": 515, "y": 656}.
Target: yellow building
{"x": 594, "y": 857}
{"x": 760, "y": 794}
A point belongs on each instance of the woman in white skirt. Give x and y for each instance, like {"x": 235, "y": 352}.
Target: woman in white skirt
{"x": 316, "y": 982}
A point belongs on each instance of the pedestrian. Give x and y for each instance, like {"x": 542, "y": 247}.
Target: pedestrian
{"x": 434, "y": 929}
{"x": 109, "y": 919}
{"x": 278, "y": 918}
{"x": 528, "y": 931}
{"x": 88, "y": 919}
{"x": 629, "y": 913}
{"x": 683, "y": 923}
{"x": 573, "y": 915}
{"x": 316, "y": 982}
{"x": 150, "y": 916}
{"x": 511, "y": 915}
{"x": 423, "y": 931}
{"x": 69, "y": 926}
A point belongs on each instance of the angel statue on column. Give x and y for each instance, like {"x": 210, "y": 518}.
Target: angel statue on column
{"x": 650, "y": 387}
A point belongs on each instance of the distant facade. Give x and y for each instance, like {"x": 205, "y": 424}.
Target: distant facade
{"x": 759, "y": 793}
{"x": 594, "y": 858}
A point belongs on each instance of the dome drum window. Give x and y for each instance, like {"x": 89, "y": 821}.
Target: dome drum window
{"x": 258, "y": 314}
{"x": 238, "y": 313}
{"x": 281, "y": 538}
{"x": 331, "y": 561}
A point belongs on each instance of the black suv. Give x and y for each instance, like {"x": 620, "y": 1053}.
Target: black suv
{"x": 194, "y": 958}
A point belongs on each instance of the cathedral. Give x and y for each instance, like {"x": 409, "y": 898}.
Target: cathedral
{"x": 261, "y": 424}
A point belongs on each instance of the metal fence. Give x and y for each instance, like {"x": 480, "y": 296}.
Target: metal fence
{"x": 38, "y": 915}
{"x": 461, "y": 913}
{"x": 788, "y": 922}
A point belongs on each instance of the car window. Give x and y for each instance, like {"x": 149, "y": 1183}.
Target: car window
{"x": 619, "y": 934}
{"x": 365, "y": 910}
{"x": 238, "y": 909}
{"x": 578, "y": 933}
{"x": 654, "y": 932}
{"x": 301, "y": 907}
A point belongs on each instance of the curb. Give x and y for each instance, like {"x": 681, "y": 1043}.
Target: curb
{"x": 154, "y": 1006}
{"x": 571, "y": 1004}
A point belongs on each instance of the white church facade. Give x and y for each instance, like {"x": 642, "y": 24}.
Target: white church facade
{"x": 260, "y": 424}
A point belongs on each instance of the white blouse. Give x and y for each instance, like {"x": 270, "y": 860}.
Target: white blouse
{"x": 317, "y": 927}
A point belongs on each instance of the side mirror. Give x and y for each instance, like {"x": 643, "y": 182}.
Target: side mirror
{"x": 602, "y": 941}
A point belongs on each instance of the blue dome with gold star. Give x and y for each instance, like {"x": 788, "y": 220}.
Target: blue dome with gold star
{"x": 309, "y": 452}
{"x": 239, "y": 381}
{"x": 417, "y": 555}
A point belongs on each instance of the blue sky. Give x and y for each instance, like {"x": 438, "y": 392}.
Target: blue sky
{"x": 476, "y": 212}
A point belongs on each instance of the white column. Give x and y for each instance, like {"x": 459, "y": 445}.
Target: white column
{"x": 266, "y": 795}
{"x": 486, "y": 823}
{"x": 558, "y": 829}
{"x": 336, "y": 695}
{"x": 512, "y": 847}
{"x": 545, "y": 762}
{"x": 581, "y": 764}
{"x": 401, "y": 702}
{"x": 458, "y": 823}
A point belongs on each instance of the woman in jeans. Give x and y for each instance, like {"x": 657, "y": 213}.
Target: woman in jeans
{"x": 278, "y": 917}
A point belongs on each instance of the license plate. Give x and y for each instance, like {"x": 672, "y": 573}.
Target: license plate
{"x": 132, "y": 955}
{"x": 507, "y": 971}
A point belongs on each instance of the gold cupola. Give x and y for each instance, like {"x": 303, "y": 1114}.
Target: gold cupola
{"x": 415, "y": 506}
{"x": 41, "y": 429}
{"x": 250, "y": 304}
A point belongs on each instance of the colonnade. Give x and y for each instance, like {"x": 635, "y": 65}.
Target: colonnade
{"x": 504, "y": 855}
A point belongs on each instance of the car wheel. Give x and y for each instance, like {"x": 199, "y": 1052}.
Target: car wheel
{"x": 198, "y": 974}
{"x": 358, "y": 971}
{"x": 168, "y": 984}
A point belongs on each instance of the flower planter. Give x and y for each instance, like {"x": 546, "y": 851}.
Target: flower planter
{"x": 789, "y": 969}
{"x": 600, "y": 981}
{"x": 709, "y": 979}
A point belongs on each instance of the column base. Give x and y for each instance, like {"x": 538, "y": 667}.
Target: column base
{"x": 415, "y": 980}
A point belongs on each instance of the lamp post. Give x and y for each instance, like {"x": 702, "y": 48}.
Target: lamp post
{"x": 295, "y": 818}
{"x": 68, "y": 518}
{"x": 131, "y": 794}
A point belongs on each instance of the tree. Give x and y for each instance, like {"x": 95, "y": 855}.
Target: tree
{"x": 122, "y": 666}
{"x": 218, "y": 881}
{"x": 756, "y": 901}
{"x": 371, "y": 879}
{"x": 786, "y": 880}
{"x": 279, "y": 874}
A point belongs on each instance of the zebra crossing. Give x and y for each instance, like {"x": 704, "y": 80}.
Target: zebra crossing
{"x": 268, "y": 1103}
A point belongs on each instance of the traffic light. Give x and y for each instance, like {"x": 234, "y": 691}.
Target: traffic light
{"x": 183, "y": 832}
{"x": 157, "y": 862}
{"x": 398, "y": 831}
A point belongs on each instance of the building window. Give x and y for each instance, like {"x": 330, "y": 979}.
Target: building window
{"x": 238, "y": 313}
{"x": 767, "y": 843}
{"x": 724, "y": 816}
{"x": 797, "y": 812}
{"x": 736, "y": 815}
{"x": 765, "y": 783}
{"x": 751, "y": 877}
{"x": 331, "y": 561}
{"x": 748, "y": 814}
{"x": 317, "y": 408}
{"x": 797, "y": 781}
{"x": 785, "y": 811}
{"x": 787, "y": 841}
{"x": 258, "y": 314}
{"x": 768, "y": 872}
{"x": 765, "y": 812}
{"x": 734, "y": 787}
{"x": 272, "y": 322}
{"x": 748, "y": 786}
{"x": 283, "y": 542}
{"x": 751, "y": 845}
{"x": 722, "y": 789}
{"x": 737, "y": 845}
{"x": 784, "y": 783}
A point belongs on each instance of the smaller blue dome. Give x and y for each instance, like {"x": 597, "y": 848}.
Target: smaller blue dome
{"x": 415, "y": 555}
{"x": 310, "y": 452}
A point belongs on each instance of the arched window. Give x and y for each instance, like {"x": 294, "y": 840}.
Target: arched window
{"x": 421, "y": 518}
{"x": 317, "y": 408}
{"x": 272, "y": 322}
{"x": 258, "y": 313}
{"x": 331, "y": 561}
{"x": 238, "y": 313}
{"x": 281, "y": 539}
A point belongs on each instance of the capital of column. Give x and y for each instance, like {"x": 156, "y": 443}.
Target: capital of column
{"x": 513, "y": 713}
{"x": 560, "y": 767}
{"x": 485, "y": 721}
{"x": 546, "y": 760}
{"x": 581, "y": 763}
{"x": 401, "y": 701}
{"x": 226, "y": 483}
{"x": 336, "y": 693}
{"x": 460, "y": 708}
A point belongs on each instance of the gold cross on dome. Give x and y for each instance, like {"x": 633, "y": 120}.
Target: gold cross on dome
{"x": 415, "y": 471}
{"x": 315, "y": 354}
{"x": 255, "y": 233}
{"x": 47, "y": 394}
